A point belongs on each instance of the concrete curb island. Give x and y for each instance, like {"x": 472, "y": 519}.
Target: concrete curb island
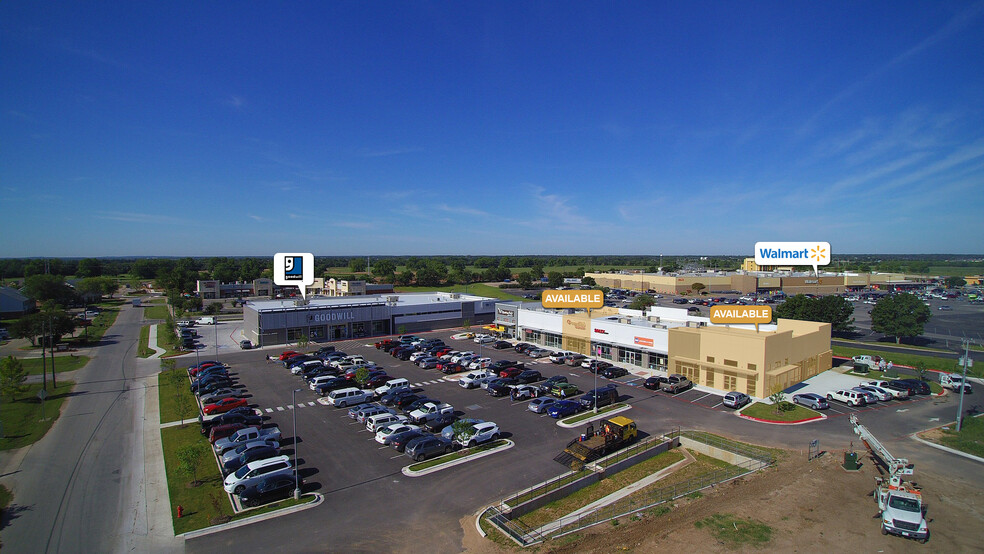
{"x": 414, "y": 473}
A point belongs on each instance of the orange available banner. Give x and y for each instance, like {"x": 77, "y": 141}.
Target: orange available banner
{"x": 741, "y": 314}
{"x": 572, "y": 299}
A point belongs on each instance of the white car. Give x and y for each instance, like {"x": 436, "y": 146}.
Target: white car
{"x": 463, "y": 336}
{"x": 447, "y": 356}
{"x": 457, "y": 358}
{"x": 377, "y": 422}
{"x": 479, "y": 363}
{"x": 417, "y": 355}
{"x": 560, "y": 357}
{"x": 478, "y": 433}
{"x": 252, "y": 472}
{"x": 355, "y": 359}
{"x": 471, "y": 380}
{"x": 484, "y": 339}
{"x": 383, "y": 435}
{"x": 896, "y": 393}
{"x": 849, "y": 397}
{"x": 880, "y": 393}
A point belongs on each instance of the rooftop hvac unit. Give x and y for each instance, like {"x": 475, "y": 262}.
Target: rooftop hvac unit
{"x": 392, "y": 299}
{"x": 625, "y": 320}
{"x": 455, "y": 295}
{"x": 654, "y": 318}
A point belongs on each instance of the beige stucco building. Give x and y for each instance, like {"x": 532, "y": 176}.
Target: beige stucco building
{"x": 754, "y": 362}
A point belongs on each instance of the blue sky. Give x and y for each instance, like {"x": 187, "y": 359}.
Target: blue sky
{"x": 354, "y": 128}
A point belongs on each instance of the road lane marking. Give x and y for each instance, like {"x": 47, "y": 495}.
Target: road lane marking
{"x": 280, "y": 408}
{"x": 301, "y": 406}
{"x": 269, "y": 410}
{"x": 310, "y": 404}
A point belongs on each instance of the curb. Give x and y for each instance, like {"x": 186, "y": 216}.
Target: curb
{"x": 946, "y": 448}
{"x": 318, "y": 499}
{"x": 820, "y": 417}
{"x": 593, "y": 418}
{"x": 412, "y": 473}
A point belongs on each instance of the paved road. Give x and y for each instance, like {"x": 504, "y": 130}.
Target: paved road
{"x": 81, "y": 488}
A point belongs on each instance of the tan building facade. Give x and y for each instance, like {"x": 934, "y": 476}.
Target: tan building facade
{"x": 754, "y": 362}
{"x": 747, "y": 283}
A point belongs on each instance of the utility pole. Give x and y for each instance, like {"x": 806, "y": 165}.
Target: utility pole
{"x": 44, "y": 365}
{"x": 51, "y": 331}
{"x": 965, "y": 361}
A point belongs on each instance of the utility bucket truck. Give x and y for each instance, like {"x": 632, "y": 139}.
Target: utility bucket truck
{"x": 900, "y": 502}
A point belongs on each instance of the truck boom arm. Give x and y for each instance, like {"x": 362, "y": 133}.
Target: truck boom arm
{"x": 897, "y": 467}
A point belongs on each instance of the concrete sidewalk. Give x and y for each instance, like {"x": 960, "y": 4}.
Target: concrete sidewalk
{"x": 152, "y": 343}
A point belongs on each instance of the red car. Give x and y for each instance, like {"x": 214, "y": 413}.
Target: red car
{"x": 224, "y": 405}
{"x": 287, "y": 354}
{"x": 384, "y": 342}
{"x": 442, "y": 352}
{"x": 223, "y": 431}
{"x": 451, "y": 367}
{"x": 195, "y": 370}
{"x": 510, "y": 372}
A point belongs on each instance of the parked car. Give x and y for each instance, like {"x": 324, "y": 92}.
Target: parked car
{"x": 541, "y": 405}
{"x": 560, "y": 357}
{"x": 440, "y": 422}
{"x": 879, "y": 393}
{"x": 237, "y": 451}
{"x": 564, "y": 390}
{"x": 811, "y": 400}
{"x": 922, "y": 387}
{"x": 510, "y": 372}
{"x": 501, "y": 387}
{"x": 269, "y": 489}
{"x": 595, "y": 366}
{"x": 385, "y": 434}
{"x": 219, "y": 432}
{"x": 676, "y": 383}
{"x": 529, "y": 376}
{"x": 248, "y": 456}
{"x": 897, "y": 393}
{"x": 449, "y": 368}
{"x": 563, "y": 408}
{"x": 523, "y": 347}
{"x": 394, "y": 396}
{"x": 463, "y": 336}
{"x": 213, "y": 397}
{"x": 369, "y": 411}
{"x": 602, "y": 396}
{"x": 613, "y": 372}
{"x": 575, "y": 359}
{"x": 448, "y": 432}
{"x": 253, "y": 472}
{"x": 478, "y": 434}
{"x": 224, "y": 405}
{"x": 428, "y": 447}
{"x": 250, "y": 418}
{"x": 848, "y": 396}
{"x": 501, "y": 345}
{"x": 537, "y": 352}
{"x": 523, "y": 392}
{"x": 400, "y": 440}
{"x": 869, "y": 397}
{"x": 547, "y": 385}
{"x": 245, "y": 344}
{"x": 332, "y": 384}
{"x": 404, "y": 401}
{"x": 735, "y": 399}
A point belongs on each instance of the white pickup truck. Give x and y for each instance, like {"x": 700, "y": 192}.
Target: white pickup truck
{"x": 865, "y": 360}
{"x": 953, "y": 382}
{"x": 470, "y": 381}
{"x": 429, "y": 411}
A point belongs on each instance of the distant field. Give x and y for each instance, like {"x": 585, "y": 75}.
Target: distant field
{"x": 961, "y": 271}
{"x": 477, "y": 289}
{"x": 513, "y": 270}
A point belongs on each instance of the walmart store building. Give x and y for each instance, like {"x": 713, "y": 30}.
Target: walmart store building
{"x": 269, "y": 322}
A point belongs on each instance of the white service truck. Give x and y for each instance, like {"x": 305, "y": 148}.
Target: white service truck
{"x": 954, "y": 381}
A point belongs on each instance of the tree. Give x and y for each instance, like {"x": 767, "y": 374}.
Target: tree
{"x": 357, "y": 264}
{"x": 249, "y": 270}
{"x": 697, "y": 287}
{"x": 830, "y": 309}
{"x": 384, "y": 270}
{"x": 900, "y": 316}
{"x": 589, "y": 281}
{"x": 89, "y": 267}
{"x": 405, "y": 278}
{"x": 12, "y": 377}
{"x": 27, "y": 327}
{"x": 555, "y": 279}
{"x": 778, "y": 398}
{"x": 462, "y": 429}
{"x": 954, "y": 282}
{"x": 525, "y": 280}
{"x": 642, "y": 301}
{"x": 190, "y": 459}
{"x": 362, "y": 375}
{"x": 48, "y": 287}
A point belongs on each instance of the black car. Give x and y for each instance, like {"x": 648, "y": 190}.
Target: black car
{"x": 247, "y": 419}
{"x": 332, "y": 384}
{"x": 405, "y": 354}
{"x": 440, "y": 422}
{"x": 325, "y": 350}
{"x": 209, "y": 388}
{"x": 529, "y": 376}
{"x": 547, "y": 386}
{"x": 391, "y": 398}
{"x": 501, "y": 345}
{"x": 407, "y": 400}
{"x": 215, "y": 381}
{"x": 523, "y": 347}
{"x": 428, "y": 447}
{"x": 921, "y": 387}
{"x": 400, "y": 440}
{"x": 653, "y": 383}
{"x": 418, "y": 403}
{"x": 275, "y": 487}
{"x": 501, "y": 387}
{"x": 613, "y": 372}
{"x": 499, "y": 365}
{"x": 251, "y": 455}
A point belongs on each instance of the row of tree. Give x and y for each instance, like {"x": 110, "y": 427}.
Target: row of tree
{"x": 902, "y": 316}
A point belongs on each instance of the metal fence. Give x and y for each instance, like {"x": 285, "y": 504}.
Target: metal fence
{"x": 635, "y": 504}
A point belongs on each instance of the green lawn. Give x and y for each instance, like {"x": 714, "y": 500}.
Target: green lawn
{"x": 6, "y": 497}
{"x": 22, "y": 424}
{"x": 476, "y": 289}
{"x": 66, "y": 362}
{"x": 162, "y": 330}
{"x": 768, "y": 411}
{"x": 202, "y": 503}
{"x": 970, "y": 439}
{"x": 960, "y": 271}
{"x": 170, "y": 394}
{"x": 157, "y": 311}
{"x": 901, "y": 358}
{"x": 143, "y": 350}
{"x": 100, "y": 324}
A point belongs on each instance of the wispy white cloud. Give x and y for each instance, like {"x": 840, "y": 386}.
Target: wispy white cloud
{"x": 136, "y": 217}
{"x": 237, "y": 102}
{"x": 367, "y": 153}
{"x": 555, "y": 206}
{"x": 256, "y": 217}
{"x": 461, "y": 210}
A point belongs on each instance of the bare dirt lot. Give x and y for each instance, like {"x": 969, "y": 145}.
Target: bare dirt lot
{"x": 810, "y": 506}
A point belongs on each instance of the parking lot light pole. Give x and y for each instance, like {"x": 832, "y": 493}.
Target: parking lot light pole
{"x": 297, "y": 486}
{"x": 965, "y": 361}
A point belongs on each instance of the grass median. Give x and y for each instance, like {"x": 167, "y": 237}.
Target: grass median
{"x": 69, "y": 362}
{"x": 99, "y": 324}
{"x": 767, "y": 412}
{"x": 143, "y": 349}
{"x": 176, "y": 399}
{"x": 590, "y": 413}
{"x": 970, "y": 439}
{"x": 901, "y": 358}
{"x": 464, "y": 453}
{"x": 22, "y": 422}
{"x": 155, "y": 311}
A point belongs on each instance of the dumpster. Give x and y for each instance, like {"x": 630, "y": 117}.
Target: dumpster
{"x": 851, "y": 461}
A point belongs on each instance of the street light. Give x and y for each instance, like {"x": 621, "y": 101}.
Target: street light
{"x": 965, "y": 361}
{"x": 297, "y": 486}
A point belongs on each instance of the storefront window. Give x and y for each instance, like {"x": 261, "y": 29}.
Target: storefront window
{"x": 602, "y": 351}
{"x": 319, "y": 333}
{"x": 358, "y": 329}
{"x": 380, "y": 327}
{"x": 551, "y": 340}
{"x": 295, "y": 334}
{"x": 628, "y": 356}
{"x": 531, "y": 336}
{"x": 657, "y": 361}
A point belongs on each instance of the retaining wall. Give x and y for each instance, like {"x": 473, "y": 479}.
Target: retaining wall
{"x": 715, "y": 452}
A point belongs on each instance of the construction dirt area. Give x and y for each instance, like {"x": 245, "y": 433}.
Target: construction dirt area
{"x": 802, "y": 506}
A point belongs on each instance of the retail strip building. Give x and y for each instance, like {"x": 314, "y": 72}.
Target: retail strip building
{"x": 267, "y": 322}
{"x": 735, "y": 357}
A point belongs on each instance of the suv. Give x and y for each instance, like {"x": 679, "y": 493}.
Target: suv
{"x": 428, "y": 446}
{"x": 478, "y": 433}
{"x": 849, "y": 397}
{"x": 599, "y": 397}
{"x": 735, "y": 399}
{"x": 254, "y": 471}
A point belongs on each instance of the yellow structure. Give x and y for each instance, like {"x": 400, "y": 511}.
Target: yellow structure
{"x": 756, "y": 363}
{"x": 749, "y": 265}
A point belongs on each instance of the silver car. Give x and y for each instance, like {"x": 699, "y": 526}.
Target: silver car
{"x": 236, "y": 452}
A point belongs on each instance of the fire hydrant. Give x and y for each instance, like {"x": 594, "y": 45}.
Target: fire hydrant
{"x": 180, "y": 509}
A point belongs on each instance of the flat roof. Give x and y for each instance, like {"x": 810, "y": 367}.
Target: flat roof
{"x": 402, "y": 299}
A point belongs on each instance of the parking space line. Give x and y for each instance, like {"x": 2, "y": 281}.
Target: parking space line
{"x": 702, "y": 397}
{"x": 280, "y": 408}
{"x": 397, "y": 456}
{"x": 269, "y": 410}
{"x": 290, "y": 406}
{"x": 301, "y": 406}
{"x": 716, "y": 405}
{"x": 310, "y": 403}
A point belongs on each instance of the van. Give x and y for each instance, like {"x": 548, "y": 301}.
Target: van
{"x": 320, "y": 380}
{"x": 206, "y": 320}
{"x": 378, "y": 421}
{"x": 604, "y": 396}
{"x": 392, "y": 384}
{"x": 348, "y": 397}
{"x": 254, "y": 471}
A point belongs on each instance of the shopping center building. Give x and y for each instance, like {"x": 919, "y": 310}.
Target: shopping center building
{"x": 267, "y": 322}
{"x": 735, "y": 357}
{"x": 750, "y": 282}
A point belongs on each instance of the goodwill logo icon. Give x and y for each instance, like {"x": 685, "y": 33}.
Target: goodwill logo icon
{"x": 294, "y": 269}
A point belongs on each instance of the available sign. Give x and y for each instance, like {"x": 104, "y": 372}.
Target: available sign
{"x": 741, "y": 314}
{"x": 573, "y": 299}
